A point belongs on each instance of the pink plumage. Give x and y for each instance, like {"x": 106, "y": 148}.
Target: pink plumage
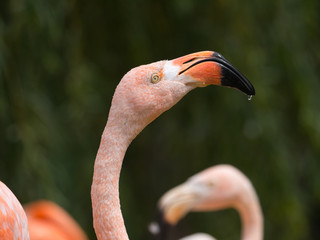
{"x": 46, "y": 220}
{"x": 13, "y": 220}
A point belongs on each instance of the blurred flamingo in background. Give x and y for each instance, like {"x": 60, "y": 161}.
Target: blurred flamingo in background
{"x": 48, "y": 221}
{"x": 218, "y": 187}
{"x": 141, "y": 96}
{"x": 198, "y": 236}
{"x": 43, "y": 220}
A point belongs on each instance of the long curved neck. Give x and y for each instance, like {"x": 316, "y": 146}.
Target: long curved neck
{"x": 251, "y": 216}
{"x": 107, "y": 217}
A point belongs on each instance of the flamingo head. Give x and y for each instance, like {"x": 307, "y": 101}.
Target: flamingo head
{"x": 149, "y": 90}
{"x": 215, "y": 188}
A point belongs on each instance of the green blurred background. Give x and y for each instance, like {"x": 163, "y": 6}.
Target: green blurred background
{"x": 60, "y": 61}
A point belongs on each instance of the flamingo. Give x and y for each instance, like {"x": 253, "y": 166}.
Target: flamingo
{"x": 215, "y": 188}
{"x": 13, "y": 220}
{"x": 44, "y": 220}
{"x": 48, "y": 221}
{"x": 142, "y": 95}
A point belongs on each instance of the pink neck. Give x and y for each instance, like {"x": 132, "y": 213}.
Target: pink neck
{"x": 107, "y": 217}
{"x": 251, "y": 217}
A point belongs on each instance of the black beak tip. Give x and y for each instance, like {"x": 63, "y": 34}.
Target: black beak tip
{"x": 231, "y": 77}
{"x": 238, "y": 81}
{"x": 252, "y": 92}
{"x": 163, "y": 226}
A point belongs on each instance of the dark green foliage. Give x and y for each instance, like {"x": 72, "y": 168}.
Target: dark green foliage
{"x": 60, "y": 62}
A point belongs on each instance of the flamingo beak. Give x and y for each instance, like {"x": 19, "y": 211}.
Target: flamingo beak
{"x": 173, "y": 206}
{"x": 177, "y": 202}
{"x": 211, "y": 68}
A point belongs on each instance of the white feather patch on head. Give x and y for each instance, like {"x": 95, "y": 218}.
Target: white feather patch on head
{"x": 170, "y": 71}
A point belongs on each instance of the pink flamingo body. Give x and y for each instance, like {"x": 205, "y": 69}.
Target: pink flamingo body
{"x": 218, "y": 187}
{"x": 13, "y": 220}
{"x": 141, "y": 96}
{"x": 41, "y": 220}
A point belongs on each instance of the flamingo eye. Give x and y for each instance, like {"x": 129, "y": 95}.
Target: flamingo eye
{"x": 155, "y": 78}
{"x": 211, "y": 184}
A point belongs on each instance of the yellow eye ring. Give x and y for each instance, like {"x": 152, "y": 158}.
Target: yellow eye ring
{"x": 155, "y": 78}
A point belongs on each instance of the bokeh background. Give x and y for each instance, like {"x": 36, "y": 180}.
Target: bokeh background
{"x": 60, "y": 61}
